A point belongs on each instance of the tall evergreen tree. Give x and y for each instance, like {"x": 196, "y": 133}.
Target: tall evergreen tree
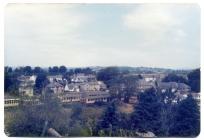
{"x": 146, "y": 116}
{"x": 187, "y": 119}
{"x": 110, "y": 120}
{"x": 194, "y": 80}
{"x": 40, "y": 82}
{"x": 166, "y": 112}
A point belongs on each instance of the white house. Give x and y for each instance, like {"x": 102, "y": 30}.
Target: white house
{"x": 53, "y": 78}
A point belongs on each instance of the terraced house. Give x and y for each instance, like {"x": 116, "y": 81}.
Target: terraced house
{"x": 83, "y": 88}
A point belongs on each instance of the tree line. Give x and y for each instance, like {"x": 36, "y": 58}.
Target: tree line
{"x": 55, "y": 70}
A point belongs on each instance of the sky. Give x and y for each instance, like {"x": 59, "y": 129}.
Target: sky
{"x": 80, "y": 35}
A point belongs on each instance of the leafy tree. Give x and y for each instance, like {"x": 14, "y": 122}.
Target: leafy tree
{"x": 27, "y": 70}
{"x": 88, "y": 71}
{"x": 30, "y": 120}
{"x": 40, "y": 82}
{"x": 187, "y": 119}
{"x": 108, "y": 74}
{"x": 53, "y": 70}
{"x": 130, "y": 88}
{"x": 123, "y": 86}
{"x": 37, "y": 70}
{"x": 62, "y": 69}
{"x": 70, "y": 72}
{"x": 8, "y": 69}
{"x": 19, "y": 71}
{"x": 50, "y": 70}
{"x": 77, "y": 70}
{"x": 25, "y": 123}
{"x": 11, "y": 83}
{"x": 167, "y": 112}
{"x": 175, "y": 78}
{"x": 76, "y": 115}
{"x": 194, "y": 80}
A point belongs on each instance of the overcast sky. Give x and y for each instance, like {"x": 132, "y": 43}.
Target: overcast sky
{"x": 151, "y": 35}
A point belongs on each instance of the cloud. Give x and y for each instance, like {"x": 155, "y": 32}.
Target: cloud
{"x": 159, "y": 21}
{"x": 39, "y": 31}
{"x": 169, "y": 34}
{"x": 42, "y": 20}
{"x": 150, "y": 18}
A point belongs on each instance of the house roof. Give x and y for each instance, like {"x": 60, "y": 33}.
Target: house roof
{"x": 183, "y": 86}
{"x": 6, "y": 96}
{"x": 54, "y": 84}
{"x": 167, "y": 85}
{"x": 96, "y": 94}
{"x": 142, "y": 82}
{"x": 26, "y": 78}
{"x": 170, "y": 85}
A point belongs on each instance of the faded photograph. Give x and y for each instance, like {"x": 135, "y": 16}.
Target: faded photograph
{"x": 102, "y": 70}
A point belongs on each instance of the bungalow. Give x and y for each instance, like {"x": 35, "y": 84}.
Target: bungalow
{"x": 84, "y": 97}
{"x": 95, "y": 96}
{"x": 68, "y": 97}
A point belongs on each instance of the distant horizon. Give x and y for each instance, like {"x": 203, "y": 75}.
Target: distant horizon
{"x": 104, "y": 67}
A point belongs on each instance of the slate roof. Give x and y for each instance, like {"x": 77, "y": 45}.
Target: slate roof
{"x": 54, "y": 84}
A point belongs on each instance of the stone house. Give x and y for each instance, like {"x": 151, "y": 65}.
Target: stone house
{"x": 180, "y": 90}
{"x": 55, "y": 87}
{"x": 173, "y": 87}
{"x": 143, "y": 85}
{"x": 26, "y": 85}
{"x": 73, "y": 87}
